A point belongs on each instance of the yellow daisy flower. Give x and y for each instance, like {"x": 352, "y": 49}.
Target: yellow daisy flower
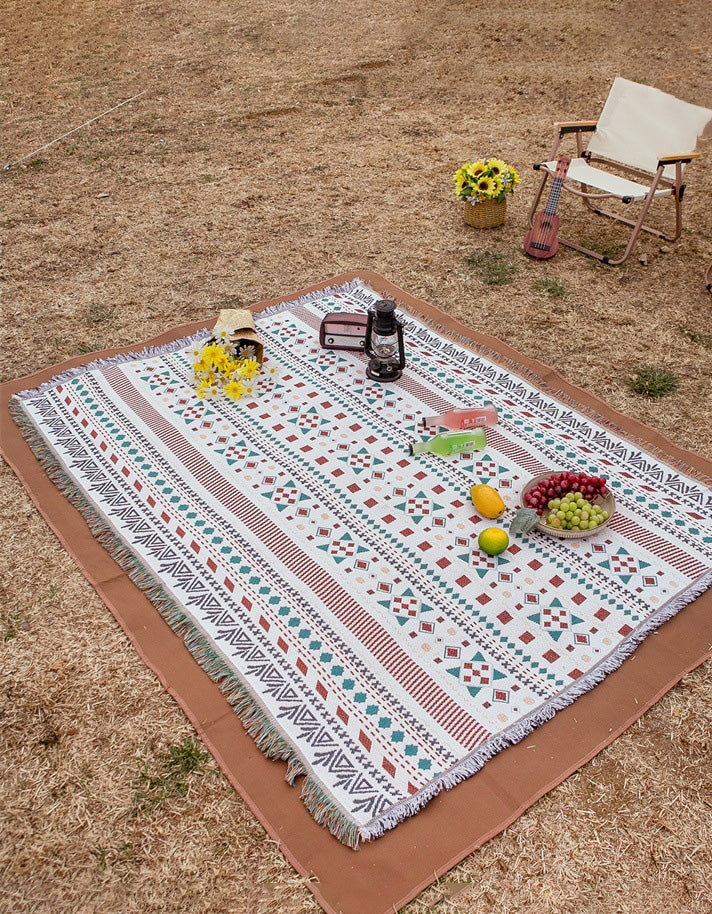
{"x": 211, "y": 353}
{"x": 249, "y": 368}
{"x": 204, "y": 389}
{"x": 234, "y": 390}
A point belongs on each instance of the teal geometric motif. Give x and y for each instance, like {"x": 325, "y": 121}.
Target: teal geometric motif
{"x": 285, "y": 496}
{"x": 359, "y": 460}
{"x": 306, "y": 420}
{"x": 344, "y": 548}
{"x": 418, "y": 507}
{"x": 476, "y": 673}
{"x": 624, "y": 565}
{"x": 405, "y": 605}
{"x": 555, "y": 619}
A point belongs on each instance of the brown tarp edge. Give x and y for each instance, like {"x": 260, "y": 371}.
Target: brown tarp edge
{"x": 385, "y": 874}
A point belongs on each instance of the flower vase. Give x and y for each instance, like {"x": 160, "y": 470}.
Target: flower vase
{"x": 485, "y": 213}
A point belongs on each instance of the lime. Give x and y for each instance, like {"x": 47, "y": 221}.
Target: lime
{"x": 493, "y": 540}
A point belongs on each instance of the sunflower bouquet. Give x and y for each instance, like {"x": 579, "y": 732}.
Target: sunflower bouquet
{"x": 488, "y": 179}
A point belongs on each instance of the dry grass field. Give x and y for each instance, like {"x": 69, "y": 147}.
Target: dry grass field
{"x": 274, "y": 145}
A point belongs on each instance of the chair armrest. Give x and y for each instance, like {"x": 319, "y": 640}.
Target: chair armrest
{"x": 671, "y": 160}
{"x": 575, "y": 126}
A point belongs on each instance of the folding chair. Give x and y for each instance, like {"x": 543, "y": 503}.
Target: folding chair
{"x": 637, "y": 153}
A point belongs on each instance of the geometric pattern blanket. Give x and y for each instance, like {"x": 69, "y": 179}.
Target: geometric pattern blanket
{"x": 331, "y": 583}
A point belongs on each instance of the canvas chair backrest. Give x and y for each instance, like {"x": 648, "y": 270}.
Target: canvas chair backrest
{"x": 639, "y": 123}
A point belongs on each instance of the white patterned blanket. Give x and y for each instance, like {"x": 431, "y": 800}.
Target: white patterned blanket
{"x": 332, "y": 584}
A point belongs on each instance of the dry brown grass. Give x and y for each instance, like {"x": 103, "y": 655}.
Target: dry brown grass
{"x": 278, "y": 144}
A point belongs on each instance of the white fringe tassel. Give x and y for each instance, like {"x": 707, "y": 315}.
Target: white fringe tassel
{"x": 148, "y": 353}
{"x": 518, "y": 731}
{"x": 355, "y": 287}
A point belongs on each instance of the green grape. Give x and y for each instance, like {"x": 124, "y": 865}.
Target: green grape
{"x": 584, "y": 525}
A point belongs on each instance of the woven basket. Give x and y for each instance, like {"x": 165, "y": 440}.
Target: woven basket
{"x": 485, "y": 213}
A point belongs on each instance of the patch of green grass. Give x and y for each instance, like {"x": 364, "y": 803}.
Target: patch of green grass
{"x": 703, "y": 339}
{"x": 107, "y": 856}
{"x": 9, "y": 624}
{"x": 611, "y": 251}
{"x": 553, "y": 287}
{"x": 98, "y": 313}
{"x": 495, "y": 268}
{"x": 208, "y": 179}
{"x": 649, "y": 381}
{"x": 168, "y": 776}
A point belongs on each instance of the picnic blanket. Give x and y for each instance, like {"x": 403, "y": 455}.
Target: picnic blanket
{"x": 331, "y": 584}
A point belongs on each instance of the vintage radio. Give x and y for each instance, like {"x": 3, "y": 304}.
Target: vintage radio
{"x": 343, "y": 331}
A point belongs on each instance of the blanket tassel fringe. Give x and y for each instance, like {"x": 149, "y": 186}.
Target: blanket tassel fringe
{"x": 268, "y": 739}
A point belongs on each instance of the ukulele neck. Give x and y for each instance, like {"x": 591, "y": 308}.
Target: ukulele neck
{"x": 562, "y": 166}
{"x": 553, "y": 201}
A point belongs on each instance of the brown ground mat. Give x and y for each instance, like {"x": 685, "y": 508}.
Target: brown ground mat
{"x": 384, "y": 874}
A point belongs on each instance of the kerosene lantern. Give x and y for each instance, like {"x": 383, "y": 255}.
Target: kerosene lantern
{"x": 384, "y": 342}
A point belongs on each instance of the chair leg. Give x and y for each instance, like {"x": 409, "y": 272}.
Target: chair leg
{"x": 637, "y": 225}
{"x": 599, "y": 211}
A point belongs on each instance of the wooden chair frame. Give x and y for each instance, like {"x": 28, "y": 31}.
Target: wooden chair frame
{"x": 655, "y": 182}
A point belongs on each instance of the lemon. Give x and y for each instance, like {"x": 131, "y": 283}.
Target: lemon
{"x": 487, "y": 500}
{"x": 493, "y": 540}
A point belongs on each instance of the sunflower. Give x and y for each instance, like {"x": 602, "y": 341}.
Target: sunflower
{"x": 474, "y": 170}
{"x": 497, "y": 166}
{"x": 460, "y": 180}
{"x": 485, "y": 187}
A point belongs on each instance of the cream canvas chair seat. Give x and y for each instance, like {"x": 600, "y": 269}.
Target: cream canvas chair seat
{"x": 610, "y": 184}
{"x": 637, "y": 153}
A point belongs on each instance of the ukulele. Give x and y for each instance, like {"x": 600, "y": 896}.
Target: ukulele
{"x": 541, "y": 242}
